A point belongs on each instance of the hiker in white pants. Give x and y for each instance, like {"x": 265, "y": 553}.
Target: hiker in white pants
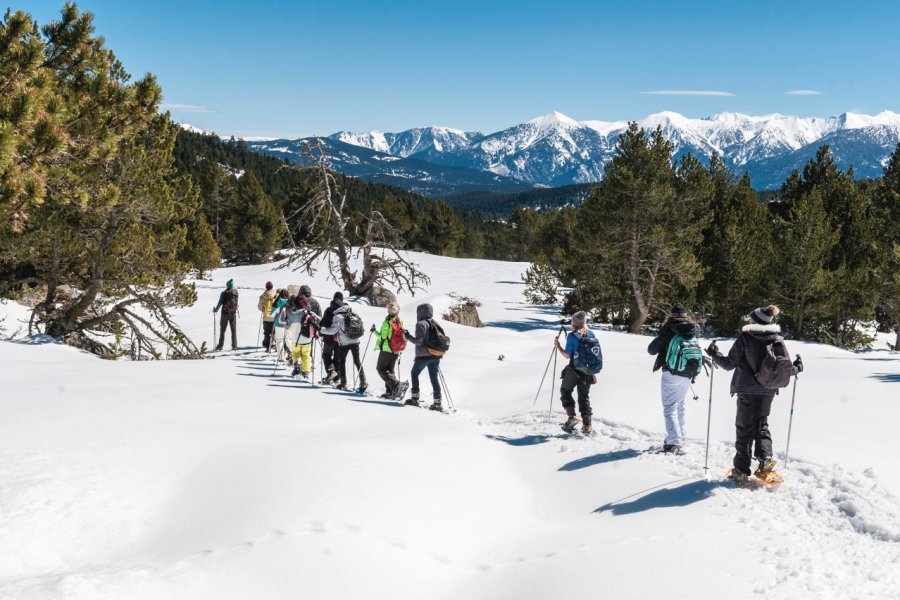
{"x": 679, "y": 357}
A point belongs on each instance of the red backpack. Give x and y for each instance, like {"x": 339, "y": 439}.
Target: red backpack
{"x": 398, "y": 339}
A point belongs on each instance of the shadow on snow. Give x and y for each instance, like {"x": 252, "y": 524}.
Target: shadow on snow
{"x": 683, "y": 495}
{"x": 597, "y": 459}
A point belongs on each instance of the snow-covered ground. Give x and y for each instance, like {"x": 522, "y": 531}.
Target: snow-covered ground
{"x": 219, "y": 479}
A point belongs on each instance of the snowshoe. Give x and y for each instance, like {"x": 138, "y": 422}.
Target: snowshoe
{"x": 570, "y": 424}
{"x": 741, "y": 480}
{"x": 673, "y": 449}
{"x": 412, "y": 402}
{"x": 436, "y": 406}
{"x": 765, "y": 472}
{"x": 400, "y": 391}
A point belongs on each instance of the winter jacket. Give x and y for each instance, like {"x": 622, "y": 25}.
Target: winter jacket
{"x": 277, "y": 306}
{"x": 329, "y": 313}
{"x": 424, "y": 313}
{"x": 745, "y": 356}
{"x": 228, "y": 308}
{"x": 301, "y": 326}
{"x": 660, "y": 344}
{"x": 337, "y": 327}
{"x": 266, "y": 300}
{"x": 383, "y": 335}
{"x": 314, "y": 305}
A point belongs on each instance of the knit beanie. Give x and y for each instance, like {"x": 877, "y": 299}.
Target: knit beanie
{"x": 393, "y": 309}
{"x": 268, "y": 285}
{"x": 764, "y": 315}
{"x": 579, "y": 319}
{"x": 678, "y": 310}
{"x": 229, "y": 284}
{"x": 305, "y": 291}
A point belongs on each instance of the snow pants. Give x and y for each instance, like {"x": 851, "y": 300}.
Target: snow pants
{"x": 268, "y": 326}
{"x": 387, "y": 361}
{"x": 433, "y": 364}
{"x": 302, "y": 353}
{"x": 752, "y": 428}
{"x": 341, "y": 361}
{"x": 674, "y": 388}
{"x": 572, "y": 380}
{"x": 328, "y": 353}
{"x": 226, "y": 321}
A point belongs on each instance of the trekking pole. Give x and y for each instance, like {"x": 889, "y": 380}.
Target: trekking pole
{"x": 362, "y": 359}
{"x": 214, "y": 331}
{"x": 562, "y": 329}
{"x": 259, "y": 331}
{"x": 546, "y": 369}
{"x": 446, "y": 390}
{"x": 711, "y": 372}
{"x": 787, "y": 446}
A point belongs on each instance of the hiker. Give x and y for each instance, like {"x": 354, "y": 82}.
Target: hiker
{"x": 313, "y": 304}
{"x": 425, "y": 358}
{"x": 302, "y": 329}
{"x": 266, "y": 300}
{"x": 754, "y": 400}
{"x": 679, "y": 356}
{"x": 390, "y": 341}
{"x": 228, "y": 302}
{"x": 578, "y": 373}
{"x": 329, "y": 344}
{"x": 347, "y": 328}
{"x": 279, "y": 314}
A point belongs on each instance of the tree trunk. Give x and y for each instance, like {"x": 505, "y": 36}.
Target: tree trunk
{"x": 897, "y": 341}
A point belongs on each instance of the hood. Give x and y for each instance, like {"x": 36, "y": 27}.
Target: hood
{"x": 336, "y": 304}
{"x": 424, "y": 311}
{"x": 764, "y": 333}
{"x": 683, "y": 327}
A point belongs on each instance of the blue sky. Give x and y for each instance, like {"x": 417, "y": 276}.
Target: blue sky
{"x": 297, "y": 68}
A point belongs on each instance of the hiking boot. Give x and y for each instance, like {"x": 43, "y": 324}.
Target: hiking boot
{"x": 570, "y": 424}
{"x": 333, "y": 375}
{"x": 765, "y": 467}
{"x": 412, "y": 402}
{"x": 305, "y": 377}
{"x": 296, "y": 371}
{"x": 362, "y": 388}
{"x": 673, "y": 449}
{"x": 586, "y": 428}
{"x": 436, "y": 406}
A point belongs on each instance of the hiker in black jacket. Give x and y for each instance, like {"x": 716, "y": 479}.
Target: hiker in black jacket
{"x": 754, "y": 402}
{"x": 329, "y": 343}
{"x": 228, "y": 302}
{"x": 674, "y": 385}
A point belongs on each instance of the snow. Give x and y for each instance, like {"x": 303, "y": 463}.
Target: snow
{"x": 219, "y": 479}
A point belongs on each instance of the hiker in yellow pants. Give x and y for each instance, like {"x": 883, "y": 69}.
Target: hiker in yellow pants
{"x": 302, "y": 325}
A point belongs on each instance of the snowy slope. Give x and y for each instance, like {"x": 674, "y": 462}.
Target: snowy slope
{"x": 219, "y": 479}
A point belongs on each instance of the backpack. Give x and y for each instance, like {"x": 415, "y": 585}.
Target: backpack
{"x": 775, "y": 368}
{"x": 588, "y": 357}
{"x": 353, "y": 325}
{"x": 684, "y": 356}
{"x": 397, "y": 342}
{"x": 436, "y": 341}
{"x": 230, "y": 305}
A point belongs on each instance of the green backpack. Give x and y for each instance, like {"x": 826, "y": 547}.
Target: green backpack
{"x": 684, "y": 356}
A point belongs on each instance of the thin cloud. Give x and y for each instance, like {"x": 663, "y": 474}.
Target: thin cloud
{"x": 687, "y": 93}
{"x": 186, "y": 108}
{"x": 804, "y": 93}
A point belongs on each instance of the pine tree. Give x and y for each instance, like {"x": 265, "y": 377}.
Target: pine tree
{"x": 254, "y": 225}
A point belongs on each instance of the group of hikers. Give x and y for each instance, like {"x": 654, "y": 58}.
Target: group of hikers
{"x": 759, "y": 358}
{"x": 292, "y": 323}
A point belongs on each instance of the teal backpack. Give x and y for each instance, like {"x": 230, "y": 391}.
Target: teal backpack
{"x": 684, "y": 356}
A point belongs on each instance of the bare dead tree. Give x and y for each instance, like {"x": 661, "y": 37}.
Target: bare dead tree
{"x": 321, "y": 231}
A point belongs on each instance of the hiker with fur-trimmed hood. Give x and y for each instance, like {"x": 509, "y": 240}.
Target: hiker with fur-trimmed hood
{"x": 754, "y": 401}
{"x": 424, "y": 358}
{"x": 676, "y": 379}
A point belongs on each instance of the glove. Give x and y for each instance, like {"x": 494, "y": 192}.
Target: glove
{"x": 214, "y": 309}
{"x": 712, "y": 349}
{"x": 799, "y": 364}
{"x": 373, "y": 329}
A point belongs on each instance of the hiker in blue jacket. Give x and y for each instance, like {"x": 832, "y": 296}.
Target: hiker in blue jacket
{"x": 675, "y": 383}
{"x": 573, "y": 379}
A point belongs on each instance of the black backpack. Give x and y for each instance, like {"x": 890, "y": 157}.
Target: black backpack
{"x": 775, "y": 368}
{"x": 436, "y": 341}
{"x": 230, "y": 306}
{"x": 353, "y": 325}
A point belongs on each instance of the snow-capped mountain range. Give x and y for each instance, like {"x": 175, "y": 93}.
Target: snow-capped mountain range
{"x": 556, "y": 150}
